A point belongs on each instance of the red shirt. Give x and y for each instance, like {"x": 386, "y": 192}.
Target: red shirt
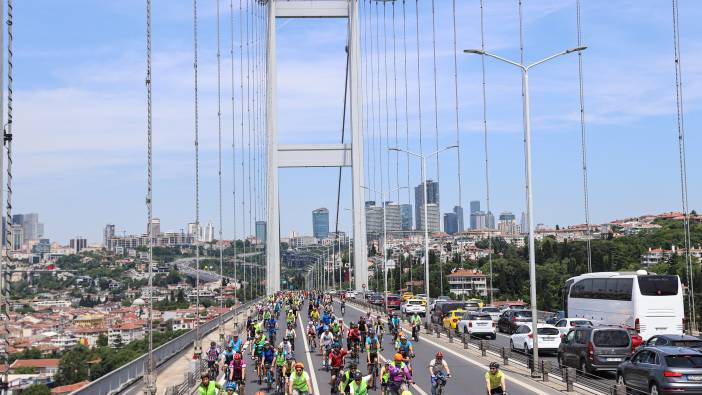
{"x": 337, "y": 358}
{"x": 354, "y": 333}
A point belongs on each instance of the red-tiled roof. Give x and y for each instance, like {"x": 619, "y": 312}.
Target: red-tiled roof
{"x": 35, "y": 363}
{"x": 467, "y": 273}
{"x": 66, "y": 389}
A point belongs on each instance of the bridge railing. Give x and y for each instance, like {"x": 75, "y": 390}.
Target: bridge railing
{"x": 121, "y": 378}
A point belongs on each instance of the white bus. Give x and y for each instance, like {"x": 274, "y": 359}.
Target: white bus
{"x": 650, "y": 303}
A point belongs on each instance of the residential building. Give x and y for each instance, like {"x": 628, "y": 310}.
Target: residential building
{"x": 301, "y": 241}
{"x": 125, "y": 332}
{"x": 393, "y": 217}
{"x": 432, "y": 198}
{"x": 468, "y": 282}
{"x": 195, "y": 231}
{"x": 433, "y": 218}
{"x": 46, "y": 367}
{"x": 78, "y": 244}
{"x": 450, "y": 223}
{"x": 261, "y": 231}
{"x": 320, "y": 223}
{"x": 508, "y": 224}
{"x": 458, "y": 210}
{"x": 107, "y": 234}
{"x": 42, "y": 247}
{"x": 406, "y": 214}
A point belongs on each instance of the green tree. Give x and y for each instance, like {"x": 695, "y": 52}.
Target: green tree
{"x": 73, "y": 366}
{"x": 102, "y": 340}
{"x": 25, "y": 370}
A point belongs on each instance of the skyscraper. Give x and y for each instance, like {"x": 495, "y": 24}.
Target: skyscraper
{"x": 374, "y": 221}
{"x": 393, "y": 217}
{"x": 508, "y": 223}
{"x": 432, "y": 198}
{"x": 458, "y": 210}
{"x": 78, "y": 244}
{"x": 406, "y": 212}
{"x": 320, "y": 223}
{"x": 209, "y": 233}
{"x": 433, "y": 216}
{"x": 31, "y": 227}
{"x": 107, "y": 234}
{"x": 474, "y": 208}
{"x": 450, "y": 223}
{"x": 155, "y": 227}
{"x": 17, "y": 237}
{"x": 261, "y": 231}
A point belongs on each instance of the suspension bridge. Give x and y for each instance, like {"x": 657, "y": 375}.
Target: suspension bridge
{"x": 388, "y": 132}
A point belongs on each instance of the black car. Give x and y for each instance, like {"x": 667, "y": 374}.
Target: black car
{"x": 675, "y": 341}
{"x": 511, "y": 319}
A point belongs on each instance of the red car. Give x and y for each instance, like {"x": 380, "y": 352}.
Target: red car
{"x": 394, "y": 302}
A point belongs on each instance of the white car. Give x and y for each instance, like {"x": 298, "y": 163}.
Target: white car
{"x": 412, "y": 306}
{"x": 522, "y": 339}
{"x": 476, "y": 323}
{"x": 565, "y": 324}
{"x": 494, "y": 312}
{"x": 351, "y": 294}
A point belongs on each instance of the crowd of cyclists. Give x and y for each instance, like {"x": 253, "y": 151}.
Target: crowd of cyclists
{"x": 340, "y": 346}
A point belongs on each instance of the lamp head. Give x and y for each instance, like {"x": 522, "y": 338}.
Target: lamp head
{"x": 576, "y": 49}
{"x": 475, "y": 51}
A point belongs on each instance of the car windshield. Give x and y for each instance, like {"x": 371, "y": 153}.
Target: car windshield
{"x": 684, "y": 361}
{"x": 480, "y": 317}
{"x": 415, "y": 302}
{"x": 491, "y": 309}
{"x": 547, "y": 331}
{"x": 687, "y": 343}
{"x": 580, "y": 323}
{"x": 611, "y": 338}
{"x": 522, "y": 313}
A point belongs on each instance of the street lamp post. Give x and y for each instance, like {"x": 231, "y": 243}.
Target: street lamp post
{"x": 423, "y": 159}
{"x": 530, "y": 201}
{"x": 385, "y": 236}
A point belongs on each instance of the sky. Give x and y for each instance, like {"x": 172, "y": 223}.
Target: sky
{"x": 80, "y": 110}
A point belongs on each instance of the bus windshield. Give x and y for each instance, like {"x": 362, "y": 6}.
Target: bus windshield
{"x": 658, "y": 285}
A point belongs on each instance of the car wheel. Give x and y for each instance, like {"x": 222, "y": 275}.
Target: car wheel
{"x": 526, "y": 349}
{"x": 654, "y": 389}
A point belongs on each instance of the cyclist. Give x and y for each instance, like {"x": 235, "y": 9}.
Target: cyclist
{"x": 206, "y": 386}
{"x": 399, "y": 373}
{"x": 299, "y": 381}
{"x": 311, "y": 335}
{"x": 362, "y": 328}
{"x": 325, "y": 341}
{"x": 212, "y": 357}
{"x": 404, "y": 347}
{"x": 336, "y": 360}
{"x": 438, "y": 367}
{"x": 384, "y": 377}
{"x": 359, "y": 385}
{"x": 230, "y": 388}
{"x": 379, "y": 331}
{"x": 416, "y": 326}
{"x": 267, "y": 357}
{"x": 348, "y": 377}
{"x": 258, "y": 345}
{"x": 343, "y": 306}
{"x": 290, "y": 334}
{"x": 495, "y": 380}
{"x": 353, "y": 337}
{"x": 291, "y": 316}
{"x": 280, "y": 361}
{"x": 236, "y": 344}
{"x": 227, "y": 358}
{"x": 373, "y": 347}
{"x": 336, "y": 328}
{"x": 237, "y": 372}
{"x": 395, "y": 327}
{"x": 287, "y": 346}
{"x": 272, "y": 326}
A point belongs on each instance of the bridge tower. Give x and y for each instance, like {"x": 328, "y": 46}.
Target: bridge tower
{"x": 315, "y": 155}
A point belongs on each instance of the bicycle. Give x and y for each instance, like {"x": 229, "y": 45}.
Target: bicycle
{"x": 213, "y": 370}
{"x": 336, "y": 380}
{"x": 373, "y": 369}
{"x": 440, "y": 382}
{"x": 355, "y": 352}
{"x": 269, "y": 377}
{"x": 280, "y": 381}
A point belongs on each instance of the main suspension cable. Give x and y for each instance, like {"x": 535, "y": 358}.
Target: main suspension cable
{"x": 197, "y": 187}
{"x": 233, "y": 89}
{"x": 458, "y": 130}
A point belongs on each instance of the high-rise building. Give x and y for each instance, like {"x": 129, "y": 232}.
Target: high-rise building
{"x": 31, "y": 227}
{"x": 107, "y": 234}
{"x": 42, "y": 247}
{"x": 195, "y": 231}
{"x": 374, "y": 221}
{"x": 458, "y": 210}
{"x": 393, "y": 217}
{"x": 482, "y": 220}
{"x": 474, "y": 209}
{"x": 433, "y": 218}
{"x": 406, "y": 213}
{"x": 450, "y": 223}
{"x": 320, "y": 223}
{"x": 261, "y": 231}
{"x": 490, "y": 220}
{"x": 523, "y": 223}
{"x": 17, "y": 237}
{"x": 209, "y": 233}
{"x": 432, "y": 198}
{"x": 155, "y": 227}
{"x": 78, "y": 243}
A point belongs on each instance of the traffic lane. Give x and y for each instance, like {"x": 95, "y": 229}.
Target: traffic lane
{"x": 467, "y": 374}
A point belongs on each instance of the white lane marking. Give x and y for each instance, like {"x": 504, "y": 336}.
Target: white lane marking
{"x": 415, "y": 386}
{"x": 310, "y": 365}
{"x": 476, "y": 363}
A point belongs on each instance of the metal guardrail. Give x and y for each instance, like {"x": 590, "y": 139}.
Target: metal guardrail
{"x": 121, "y": 378}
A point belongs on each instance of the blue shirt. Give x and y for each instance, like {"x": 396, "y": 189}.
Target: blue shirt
{"x": 268, "y": 355}
{"x": 403, "y": 346}
{"x": 236, "y": 345}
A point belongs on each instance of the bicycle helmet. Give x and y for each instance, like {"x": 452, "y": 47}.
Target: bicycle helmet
{"x": 204, "y": 375}
{"x": 439, "y": 354}
{"x": 398, "y": 357}
{"x": 406, "y": 393}
{"x": 237, "y": 356}
{"x": 494, "y": 365}
{"x": 358, "y": 376}
{"x": 230, "y": 386}
{"x": 299, "y": 365}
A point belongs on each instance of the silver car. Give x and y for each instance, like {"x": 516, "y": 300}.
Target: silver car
{"x": 662, "y": 370}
